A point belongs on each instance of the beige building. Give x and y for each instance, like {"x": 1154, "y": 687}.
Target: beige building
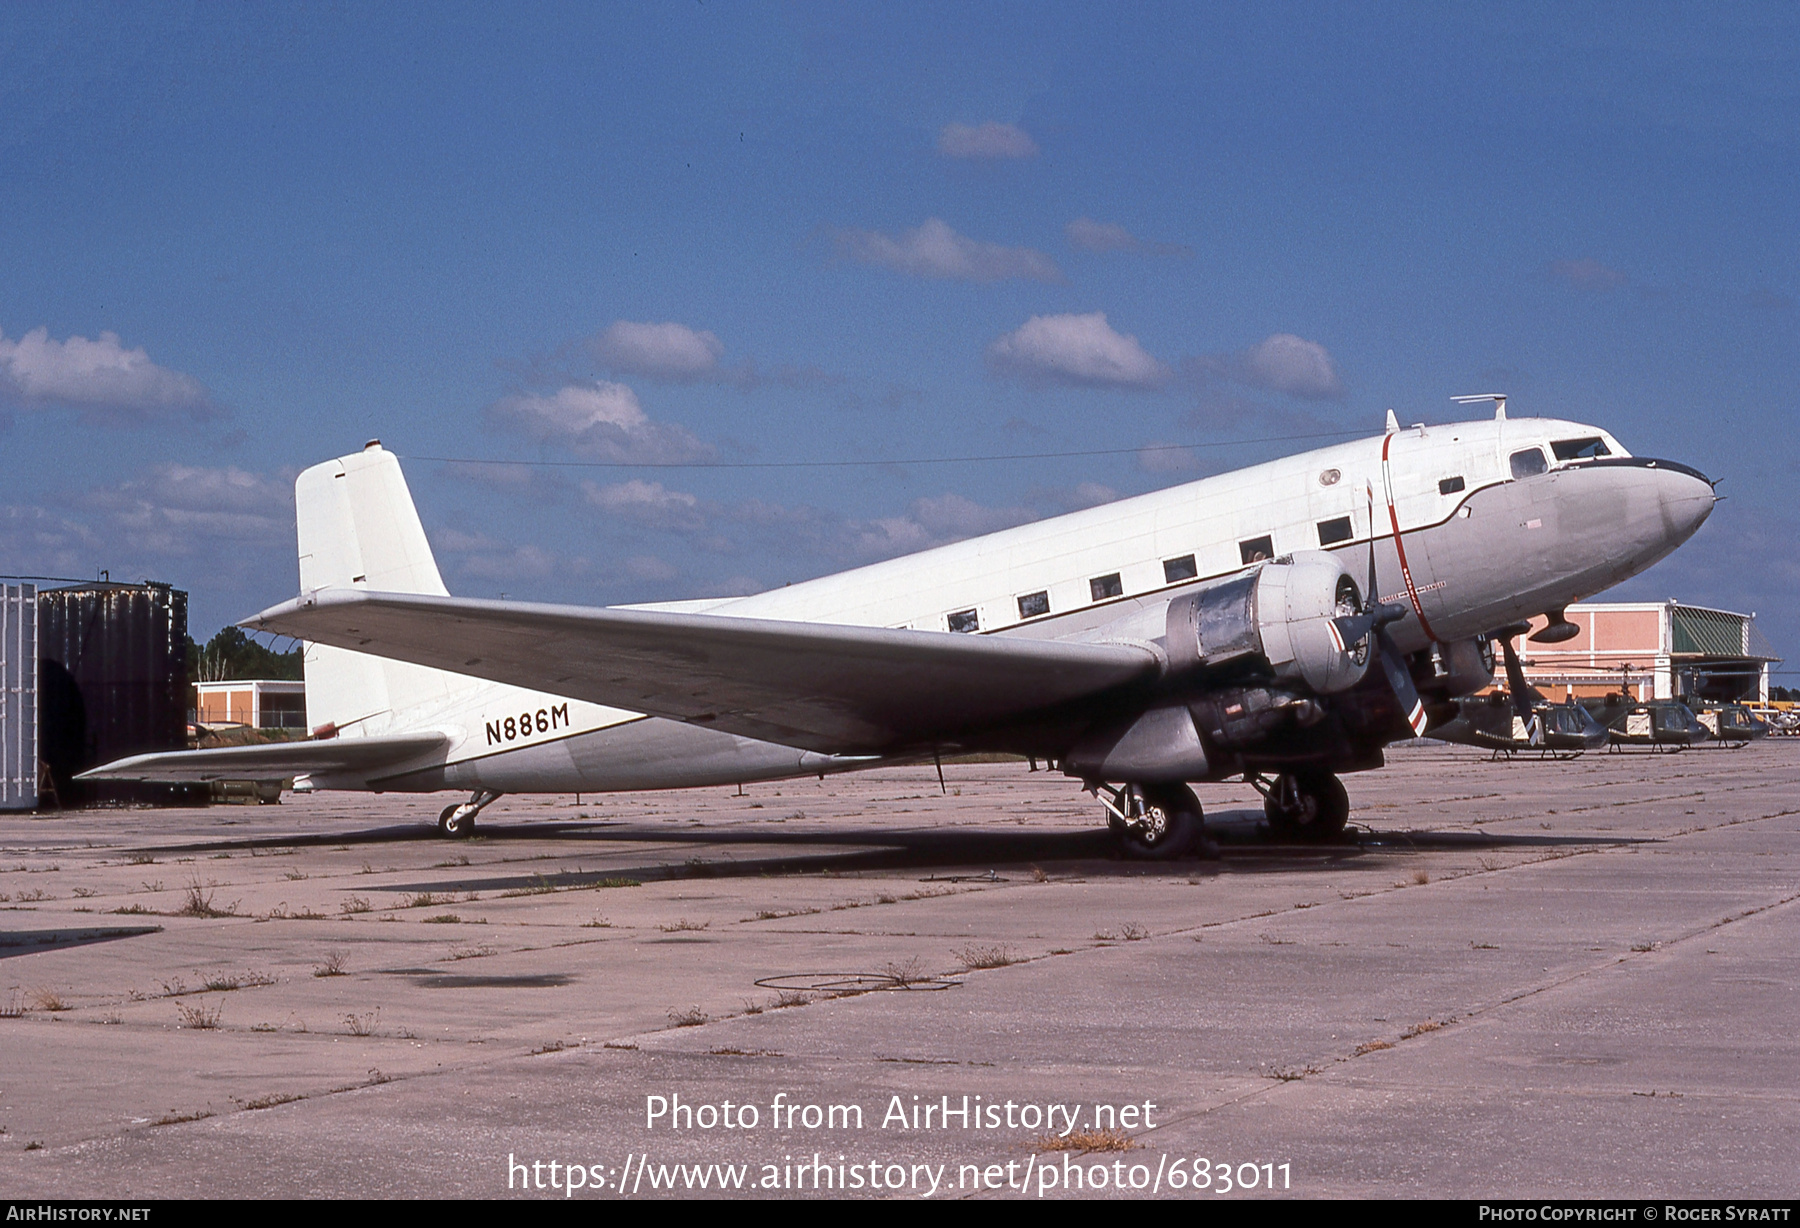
{"x": 1657, "y": 649}
{"x": 261, "y": 703}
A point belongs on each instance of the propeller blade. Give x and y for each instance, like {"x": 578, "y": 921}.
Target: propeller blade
{"x": 1515, "y": 672}
{"x": 1400, "y": 678}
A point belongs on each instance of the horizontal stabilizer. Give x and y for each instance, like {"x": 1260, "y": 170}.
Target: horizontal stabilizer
{"x": 825, "y": 687}
{"x": 274, "y": 761}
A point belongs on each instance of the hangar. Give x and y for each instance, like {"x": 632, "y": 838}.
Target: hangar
{"x": 1656, "y": 649}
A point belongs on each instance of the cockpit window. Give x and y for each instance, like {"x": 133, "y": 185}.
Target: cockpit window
{"x": 1580, "y": 449}
{"x": 1529, "y": 463}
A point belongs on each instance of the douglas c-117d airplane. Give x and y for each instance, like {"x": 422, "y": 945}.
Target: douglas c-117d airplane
{"x": 1282, "y": 623}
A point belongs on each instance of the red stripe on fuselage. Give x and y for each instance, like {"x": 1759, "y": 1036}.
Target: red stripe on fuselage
{"x": 1412, "y": 592}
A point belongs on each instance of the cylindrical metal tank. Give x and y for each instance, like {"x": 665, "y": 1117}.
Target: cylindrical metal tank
{"x": 113, "y": 682}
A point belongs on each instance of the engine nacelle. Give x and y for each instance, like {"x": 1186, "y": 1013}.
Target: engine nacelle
{"x": 1280, "y": 613}
{"x": 1465, "y": 667}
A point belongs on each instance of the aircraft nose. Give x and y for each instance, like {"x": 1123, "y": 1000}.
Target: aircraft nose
{"x": 1686, "y": 496}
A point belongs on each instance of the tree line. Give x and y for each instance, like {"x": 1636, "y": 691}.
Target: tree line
{"x": 231, "y": 655}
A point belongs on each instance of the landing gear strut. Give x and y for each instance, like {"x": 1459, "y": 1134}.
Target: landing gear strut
{"x": 1154, "y": 822}
{"x": 458, "y": 822}
{"x": 1307, "y": 805}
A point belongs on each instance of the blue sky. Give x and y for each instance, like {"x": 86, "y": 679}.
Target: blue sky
{"x": 242, "y": 239}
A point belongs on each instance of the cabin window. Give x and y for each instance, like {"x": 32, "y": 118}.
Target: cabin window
{"x": 1529, "y": 463}
{"x": 1183, "y": 568}
{"x": 965, "y": 621}
{"x": 1257, "y": 549}
{"x": 1449, "y": 486}
{"x": 1580, "y": 449}
{"x": 1034, "y": 605}
{"x": 1332, "y": 532}
{"x": 1103, "y": 587}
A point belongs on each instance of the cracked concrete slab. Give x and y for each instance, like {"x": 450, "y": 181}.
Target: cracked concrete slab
{"x": 1514, "y": 980}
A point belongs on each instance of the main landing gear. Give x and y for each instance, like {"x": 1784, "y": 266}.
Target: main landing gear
{"x": 1306, "y": 805}
{"x": 1155, "y": 822}
{"x": 458, "y": 822}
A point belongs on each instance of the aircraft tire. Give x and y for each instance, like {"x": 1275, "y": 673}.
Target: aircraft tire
{"x": 1173, "y": 824}
{"x": 1324, "y": 808}
{"x": 456, "y": 829}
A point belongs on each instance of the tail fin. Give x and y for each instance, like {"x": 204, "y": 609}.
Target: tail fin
{"x": 358, "y": 528}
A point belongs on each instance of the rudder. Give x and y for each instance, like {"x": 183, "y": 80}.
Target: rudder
{"x": 358, "y": 528}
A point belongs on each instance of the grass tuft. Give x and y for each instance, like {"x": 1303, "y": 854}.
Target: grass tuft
{"x": 49, "y": 1000}
{"x": 196, "y": 1015}
{"x": 1086, "y": 1141}
{"x": 200, "y": 902}
{"x": 974, "y": 957}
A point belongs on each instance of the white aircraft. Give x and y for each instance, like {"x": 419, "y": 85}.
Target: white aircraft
{"x": 1281, "y": 623}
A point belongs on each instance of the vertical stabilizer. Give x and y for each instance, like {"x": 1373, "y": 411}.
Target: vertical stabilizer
{"x": 358, "y": 528}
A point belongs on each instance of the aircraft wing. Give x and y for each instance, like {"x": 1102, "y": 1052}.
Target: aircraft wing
{"x": 274, "y": 761}
{"x": 825, "y": 687}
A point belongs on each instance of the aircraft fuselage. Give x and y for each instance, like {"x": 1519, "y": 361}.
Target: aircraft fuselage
{"x": 1472, "y": 526}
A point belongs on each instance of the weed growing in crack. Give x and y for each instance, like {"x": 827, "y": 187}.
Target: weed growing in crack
{"x": 975, "y": 957}
{"x": 1085, "y": 1141}
{"x": 196, "y": 1015}
{"x": 906, "y": 972}
{"x": 199, "y": 902}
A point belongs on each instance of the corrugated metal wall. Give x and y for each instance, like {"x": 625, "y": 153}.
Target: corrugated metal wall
{"x": 18, "y": 697}
{"x": 113, "y": 682}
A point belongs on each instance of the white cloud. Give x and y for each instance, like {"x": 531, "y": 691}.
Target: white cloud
{"x": 649, "y": 504}
{"x": 1290, "y": 364}
{"x": 1089, "y": 235}
{"x": 101, "y": 378}
{"x": 1166, "y": 458}
{"x": 1095, "y": 236}
{"x": 178, "y": 510}
{"x": 518, "y": 563}
{"x": 1279, "y": 363}
{"x": 660, "y": 351}
{"x": 928, "y": 522}
{"x": 990, "y": 140}
{"x": 603, "y": 421}
{"x": 36, "y": 540}
{"x": 649, "y": 567}
{"x": 933, "y": 249}
{"x": 1588, "y": 274}
{"x": 1075, "y": 349}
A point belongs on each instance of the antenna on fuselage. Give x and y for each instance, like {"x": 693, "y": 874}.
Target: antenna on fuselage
{"x": 1393, "y": 423}
{"x": 1498, "y": 398}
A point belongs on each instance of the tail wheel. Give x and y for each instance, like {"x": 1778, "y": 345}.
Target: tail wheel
{"x": 1165, "y": 822}
{"x": 1310, "y": 806}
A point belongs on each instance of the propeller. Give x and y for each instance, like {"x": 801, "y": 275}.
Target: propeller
{"x": 1515, "y": 677}
{"x": 1373, "y": 622}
